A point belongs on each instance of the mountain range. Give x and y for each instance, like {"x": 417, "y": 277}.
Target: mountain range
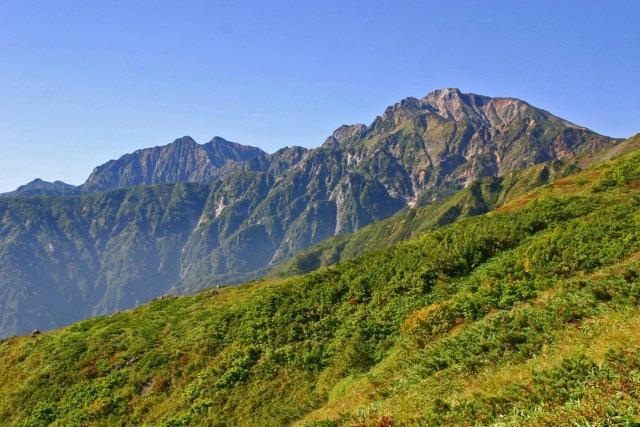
{"x": 527, "y": 315}
{"x": 185, "y": 216}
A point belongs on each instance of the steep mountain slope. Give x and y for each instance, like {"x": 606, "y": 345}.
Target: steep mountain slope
{"x": 106, "y": 251}
{"x": 524, "y": 316}
{"x": 77, "y": 257}
{"x": 442, "y": 142}
{"x": 417, "y": 152}
{"x": 67, "y": 258}
{"x": 479, "y": 197}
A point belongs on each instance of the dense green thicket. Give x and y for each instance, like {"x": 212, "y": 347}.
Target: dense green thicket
{"x": 406, "y": 335}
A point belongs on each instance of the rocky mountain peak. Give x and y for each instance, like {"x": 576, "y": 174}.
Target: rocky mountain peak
{"x": 220, "y": 151}
{"x": 408, "y": 106}
{"x": 344, "y": 133}
{"x": 445, "y": 95}
{"x": 218, "y": 140}
{"x": 182, "y": 160}
{"x": 185, "y": 140}
{"x": 452, "y": 104}
{"x": 41, "y": 187}
{"x": 38, "y": 184}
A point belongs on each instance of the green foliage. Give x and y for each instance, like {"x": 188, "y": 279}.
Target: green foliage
{"x": 410, "y": 332}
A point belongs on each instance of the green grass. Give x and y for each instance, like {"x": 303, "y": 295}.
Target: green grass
{"x": 527, "y": 315}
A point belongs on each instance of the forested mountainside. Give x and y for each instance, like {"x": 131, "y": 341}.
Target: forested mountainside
{"x": 481, "y": 196}
{"x": 63, "y": 258}
{"x": 527, "y": 315}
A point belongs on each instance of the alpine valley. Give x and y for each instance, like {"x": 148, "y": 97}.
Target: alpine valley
{"x": 526, "y": 315}
{"x": 183, "y": 217}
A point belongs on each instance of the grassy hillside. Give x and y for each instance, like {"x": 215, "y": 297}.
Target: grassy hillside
{"x": 527, "y": 315}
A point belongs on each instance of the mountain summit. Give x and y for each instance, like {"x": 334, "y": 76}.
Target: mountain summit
{"x": 182, "y": 160}
{"x": 444, "y": 141}
{"x": 39, "y": 187}
{"x": 492, "y": 112}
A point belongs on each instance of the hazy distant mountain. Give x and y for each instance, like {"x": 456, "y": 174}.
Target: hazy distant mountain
{"x": 64, "y": 258}
{"x": 38, "y": 187}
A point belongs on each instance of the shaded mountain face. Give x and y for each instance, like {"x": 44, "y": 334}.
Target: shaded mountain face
{"x": 252, "y": 210}
{"x": 479, "y": 197}
{"x": 67, "y": 258}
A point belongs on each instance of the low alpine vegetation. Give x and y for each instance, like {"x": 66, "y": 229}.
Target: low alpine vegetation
{"x": 524, "y": 316}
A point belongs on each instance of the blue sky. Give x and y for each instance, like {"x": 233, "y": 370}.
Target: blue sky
{"x": 84, "y": 82}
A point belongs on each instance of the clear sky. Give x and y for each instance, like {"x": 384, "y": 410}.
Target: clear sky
{"x": 82, "y": 82}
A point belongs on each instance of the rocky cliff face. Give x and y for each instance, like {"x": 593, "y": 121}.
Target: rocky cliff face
{"x": 440, "y": 143}
{"x": 245, "y": 210}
